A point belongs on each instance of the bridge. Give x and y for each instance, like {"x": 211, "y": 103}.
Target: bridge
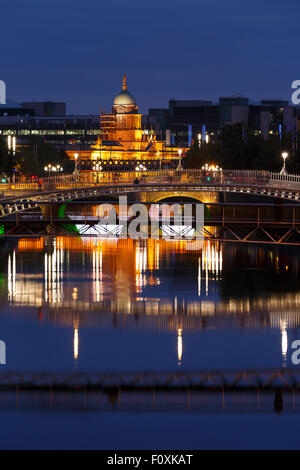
{"x": 255, "y": 222}
{"x": 232, "y": 222}
{"x": 165, "y": 183}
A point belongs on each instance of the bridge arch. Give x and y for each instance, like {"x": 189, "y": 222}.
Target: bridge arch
{"x": 184, "y": 196}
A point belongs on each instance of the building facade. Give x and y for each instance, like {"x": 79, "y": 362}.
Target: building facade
{"x": 185, "y": 121}
{"x": 123, "y": 143}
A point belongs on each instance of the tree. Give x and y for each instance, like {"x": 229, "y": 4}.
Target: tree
{"x": 7, "y": 159}
{"x": 197, "y": 157}
{"x": 33, "y": 158}
{"x": 232, "y": 150}
{"x": 239, "y": 147}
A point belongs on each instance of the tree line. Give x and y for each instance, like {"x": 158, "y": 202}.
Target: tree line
{"x": 237, "y": 148}
{"x": 31, "y": 159}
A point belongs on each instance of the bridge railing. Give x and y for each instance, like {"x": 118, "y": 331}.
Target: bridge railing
{"x": 226, "y": 177}
{"x": 163, "y": 176}
{"x": 285, "y": 181}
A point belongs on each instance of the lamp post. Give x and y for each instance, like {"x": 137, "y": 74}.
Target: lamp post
{"x": 157, "y": 154}
{"x": 283, "y": 169}
{"x": 97, "y": 168}
{"x": 52, "y": 168}
{"x": 199, "y": 140}
{"x": 140, "y": 167}
{"x": 179, "y": 167}
{"x": 179, "y": 162}
{"x": 75, "y": 162}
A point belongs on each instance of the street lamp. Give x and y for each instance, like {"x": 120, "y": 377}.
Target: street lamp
{"x": 97, "y": 168}
{"x": 50, "y": 168}
{"x": 283, "y": 169}
{"x": 199, "y": 140}
{"x": 179, "y": 162}
{"x": 140, "y": 167}
{"x": 75, "y": 160}
{"x": 157, "y": 154}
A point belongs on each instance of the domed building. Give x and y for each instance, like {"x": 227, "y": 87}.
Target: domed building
{"x": 122, "y": 143}
{"x": 124, "y": 102}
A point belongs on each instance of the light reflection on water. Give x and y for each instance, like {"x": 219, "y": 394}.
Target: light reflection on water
{"x": 155, "y": 287}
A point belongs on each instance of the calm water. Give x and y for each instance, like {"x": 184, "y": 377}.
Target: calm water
{"x": 122, "y": 305}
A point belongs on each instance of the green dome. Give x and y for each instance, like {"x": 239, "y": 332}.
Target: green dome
{"x": 124, "y": 98}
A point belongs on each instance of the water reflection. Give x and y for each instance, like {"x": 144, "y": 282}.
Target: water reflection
{"x": 155, "y": 285}
{"x": 284, "y": 340}
{"x": 76, "y": 343}
{"x": 155, "y": 278}
{"x": 179, "y": 345}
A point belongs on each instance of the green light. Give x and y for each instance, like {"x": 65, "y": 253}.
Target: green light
{"x": 61, "y": 211}
{"x": 70, "y": 228}
{"x": 1, "y": 229}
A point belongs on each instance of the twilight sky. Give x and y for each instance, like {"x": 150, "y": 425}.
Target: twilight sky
{"x": 77, "y": 50}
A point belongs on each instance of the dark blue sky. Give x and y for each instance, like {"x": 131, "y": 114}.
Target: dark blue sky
{"x": 77, "y": 50}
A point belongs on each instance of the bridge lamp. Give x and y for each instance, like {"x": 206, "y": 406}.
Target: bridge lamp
{"x": 179, "y": 162}
{"x": 48, "y": 168}
{"x": 283, "y": 169}
{"x": 75, "y": 159}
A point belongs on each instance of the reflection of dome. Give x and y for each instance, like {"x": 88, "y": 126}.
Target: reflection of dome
{"x": 124, "y": 98}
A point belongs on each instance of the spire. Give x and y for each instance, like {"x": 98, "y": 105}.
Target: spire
{"x": 124, "y": 82}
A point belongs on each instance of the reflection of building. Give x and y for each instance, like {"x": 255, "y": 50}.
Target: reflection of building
{"x": 123, "y": 143}
{"x": 124, "y": 284}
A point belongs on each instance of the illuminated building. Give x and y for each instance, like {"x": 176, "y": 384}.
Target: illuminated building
{"x": 123, "y": 144}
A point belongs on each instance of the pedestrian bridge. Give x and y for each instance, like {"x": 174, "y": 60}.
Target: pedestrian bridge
{"x": 148, "y": 187}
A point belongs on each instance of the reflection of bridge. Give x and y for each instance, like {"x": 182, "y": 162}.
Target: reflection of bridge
{"x": 195, "y": 392}
{"x": 160, "y": 316}
{"x": 284, "y": 379}
{"x": 152, "y": 187}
